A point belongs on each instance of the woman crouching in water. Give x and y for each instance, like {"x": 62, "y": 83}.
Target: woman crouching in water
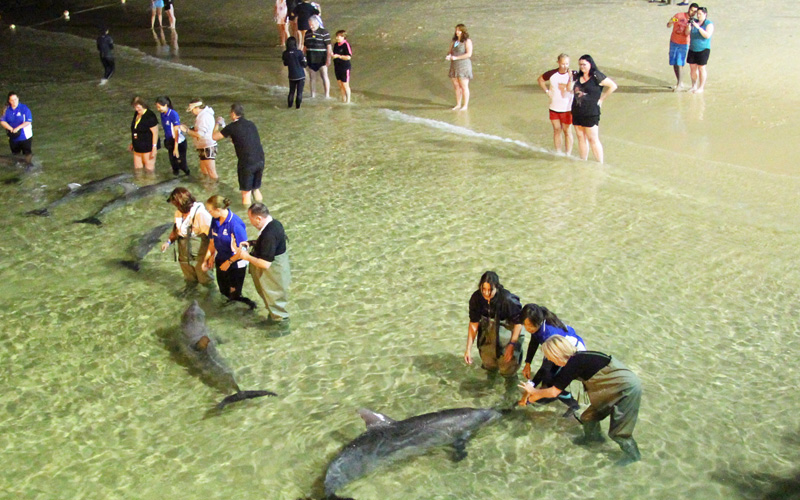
{"x": 613, "y": 389}
{"x": 542, "y": 324}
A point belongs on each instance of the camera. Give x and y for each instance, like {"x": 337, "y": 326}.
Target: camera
{"x": 694, "y": 20}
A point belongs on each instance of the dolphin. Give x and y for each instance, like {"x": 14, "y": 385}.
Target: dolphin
{"x": 143, "y": 192}
{"x": 387, "y": 441}
{"x": 142, "y": 245}
{"x": 77, "y": 190}
{"x": 199, "y": 352}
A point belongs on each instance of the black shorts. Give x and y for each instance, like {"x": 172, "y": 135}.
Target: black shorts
{"x": 699, "y": 58}
{"x": 342, "y": 73}
{"x": 586, "y": 121}
{"x": 313, "y": 66}
{"x": 249, "y": 179}
{"x": 23, "y": 147}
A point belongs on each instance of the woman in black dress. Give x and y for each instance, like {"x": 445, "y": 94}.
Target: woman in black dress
{"x": 144, "y": 136}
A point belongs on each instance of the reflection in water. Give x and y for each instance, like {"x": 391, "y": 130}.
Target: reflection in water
{"x": 173, "y": 41}
{"x": 162, "y": 49}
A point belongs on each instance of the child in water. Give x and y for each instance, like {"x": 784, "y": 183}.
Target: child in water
{"x": 296, "y": 61}
{"x": 342, "y": 53}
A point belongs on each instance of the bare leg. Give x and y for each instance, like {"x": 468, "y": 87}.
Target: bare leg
{"x": 346, "y": 86}
{"x": 557, "y": 133}
{"x": 593, "y": 135}
{"x": 301, "y": 37}
{"x": 149, "y": 162}
{"x": 693, "y": 74}
{"x": 138, "y": 163}
{"x": 312, "y": 76}
{"x": 701, "y": 80}
{"x": 171, "y": 15}
{"x": 678, "y": 74}
{"x": 464, "y": 83}
{"x": 160, "y": 14}
{"x": 246, "y": 198}
{"x": 326, "y": 83}
{"x": 209, "y": 167}
{"x": 457, "y": 88}
{"x": 283, "y": 33}
{"x": 567, "y": 137}
{"x": 257, "y": 195}
{"x": 583, "y": 144}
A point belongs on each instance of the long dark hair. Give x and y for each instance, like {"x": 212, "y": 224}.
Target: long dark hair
{"x": 182, "y": 199}
{"x": 492, "y": 278}
{"x": 464, "y": 34}
{"x": 537, "y": 315}
{"x": 164, "y": 101}
{"x": 593, "y": 66}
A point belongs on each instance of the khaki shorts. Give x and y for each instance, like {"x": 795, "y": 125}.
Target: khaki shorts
{"x": 207, "y": 153}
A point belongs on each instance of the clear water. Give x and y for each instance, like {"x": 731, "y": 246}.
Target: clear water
{"x": 676, "y": 257}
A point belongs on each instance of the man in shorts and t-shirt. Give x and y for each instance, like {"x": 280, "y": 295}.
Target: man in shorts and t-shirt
{"x": 679, "y": 41}
{"x": 249, "y": 152}
{"x": 317, "y": 48}
{"x": 560, "y": 103}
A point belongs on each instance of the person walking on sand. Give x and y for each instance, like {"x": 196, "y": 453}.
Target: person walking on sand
{"x": 105, "y": 45}
{"x": 459, "y": 56}
{"x": 679, "y": 42}
{"x": 560, "y": 103}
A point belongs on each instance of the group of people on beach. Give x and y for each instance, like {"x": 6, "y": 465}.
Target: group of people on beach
{"x": 497, "y": 320}
{"x": 690, "y": 42}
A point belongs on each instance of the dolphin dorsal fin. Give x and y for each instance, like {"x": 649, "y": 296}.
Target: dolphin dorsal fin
{"x": 373, "y": 419}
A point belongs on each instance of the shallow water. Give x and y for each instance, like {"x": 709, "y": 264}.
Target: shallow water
{"x": 676, "y": 257}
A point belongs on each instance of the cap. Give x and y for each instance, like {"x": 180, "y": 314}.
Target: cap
{"x": 194, "y": 104}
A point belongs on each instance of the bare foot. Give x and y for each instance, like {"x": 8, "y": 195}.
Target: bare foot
{"x": 463, "y": 109}
{"x": 455, "y": 108}
{"x": 698, "y": 91}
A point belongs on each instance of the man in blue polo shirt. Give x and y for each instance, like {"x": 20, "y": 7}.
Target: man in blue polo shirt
{"x": 17, "y": 120}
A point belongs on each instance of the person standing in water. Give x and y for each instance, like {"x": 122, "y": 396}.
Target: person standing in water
{"x": 227, "y": 232}
{"x": 591, "y": 88}
{"x": 144, "y": 136}
{"x": 105, "y": 45}
{"x": 494, "y": 318}
{"x": 281, "y": 18}
{"x": 296, "y": 61}
{"x": 174, "y": 140}
{"x": 249, "y": 152}
{"x": 679, "y": 42}
{"x": 202, "y": 133}
{"x": 156, "y": 9}
{"x": 700, "y": 49}
{"x": 169, "y": 8}
{"x": 269, "y": 261}
{"x": 17, "y": 120}
{"x": 613, "y": 389}
{"x": 560, "y": 103}
{"x": 191, "y": 220}
{"x": 317, "y": 48}
{"x": 342, "y": 53}
{"x": 460, "y": 66}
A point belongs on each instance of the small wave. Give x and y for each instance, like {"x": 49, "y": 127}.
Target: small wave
{"x": 455, "y": 129}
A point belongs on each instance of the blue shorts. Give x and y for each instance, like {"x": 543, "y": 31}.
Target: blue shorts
{"x": 678, "y": 53}
{"x": 158, "y": 4}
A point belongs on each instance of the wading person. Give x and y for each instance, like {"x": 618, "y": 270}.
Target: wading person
{"x": 227, "y": 232}
{"x": 249, "y": 152}
{"x": 342, "y": 53}
{"x": 17, "y": 120}
{"x": 269, "y": 261}
{"x": 144, "y": 136}
{"x": 591, "y": 88}
{"x": 202, "y": 133}
{"x": 460, "y": 55}
{"x": 105, "y": 45}
{"x": 304, "y": 11}
{"x": 700, "y": 49}
{"x": 494, "y": 318}
{"x": 542, "y": 324}
{"x": 294, "y": 59}
{"x": 612, "y": 388}
{"x": 679, "y": 42}
{"x": 174, "y": 140}
{"x": 317, "y": 48}
{"x": 192, "y": 223}
{"x": 156, "y": 10}
{"x": 560, "y": 103}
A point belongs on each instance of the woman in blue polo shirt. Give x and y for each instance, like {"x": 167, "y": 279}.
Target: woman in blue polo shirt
{"x": 227, "y": 233}
{"x": 174, "y": 140}
{"x": 542, "y": 324}
{"x": 17, "y": 120}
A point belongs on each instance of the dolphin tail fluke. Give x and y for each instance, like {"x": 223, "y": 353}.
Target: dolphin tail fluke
{"x": 130, "y": 264}
{"x": 241, "y": 396}
{"x": 41, "y": 212}
{"x": 90, "y": 220}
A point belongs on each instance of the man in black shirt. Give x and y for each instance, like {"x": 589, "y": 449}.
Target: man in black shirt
{"x": 249, "y": 152}
{"x": 317, "y": 48}
{"x": 269, "y": 261}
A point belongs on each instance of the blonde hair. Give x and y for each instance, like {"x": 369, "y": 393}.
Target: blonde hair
{"x": 558, "y": 348}
{"x": 218, "y": 202}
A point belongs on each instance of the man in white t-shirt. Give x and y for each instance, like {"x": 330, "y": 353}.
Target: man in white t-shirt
{"x": 560, "y": 103}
